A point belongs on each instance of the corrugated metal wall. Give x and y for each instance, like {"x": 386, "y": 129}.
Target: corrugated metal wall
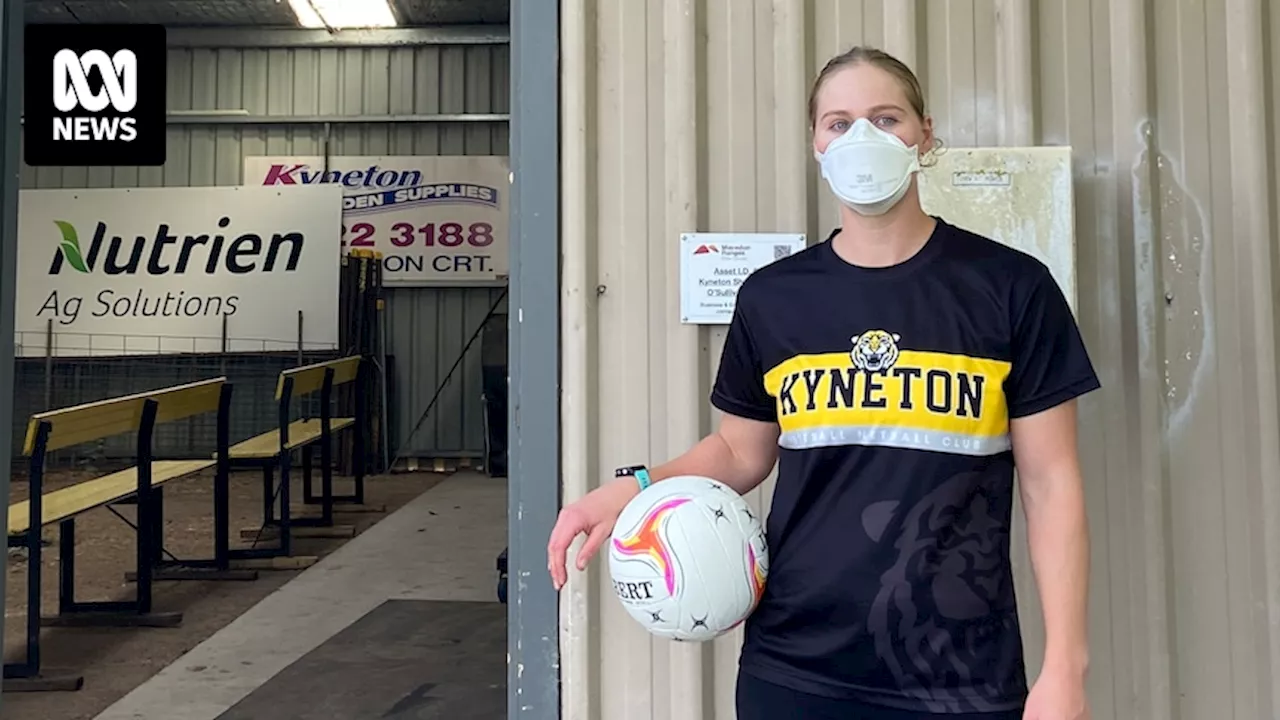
{"x": 454, "y": 427}
{"x": 690, "y": 114}
{"x": 428, "y": 327}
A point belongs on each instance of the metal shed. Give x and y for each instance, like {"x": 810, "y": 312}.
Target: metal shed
{"x": 245, "y": 81}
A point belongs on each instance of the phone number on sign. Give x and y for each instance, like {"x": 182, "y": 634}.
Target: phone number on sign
{"x": 405, "y": 235}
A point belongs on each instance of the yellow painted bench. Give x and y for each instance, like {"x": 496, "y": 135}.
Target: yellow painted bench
{"x": 273, "y": 450}
{"x": 301, "y": 433}
{"x": 90, "y": 494}
{"x": 140, "y": 485}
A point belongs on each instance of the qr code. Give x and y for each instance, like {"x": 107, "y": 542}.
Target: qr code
{"x": 781, "y": 251}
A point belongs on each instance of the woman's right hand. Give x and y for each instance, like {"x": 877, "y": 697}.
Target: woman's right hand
{"x": 594, "y": 514}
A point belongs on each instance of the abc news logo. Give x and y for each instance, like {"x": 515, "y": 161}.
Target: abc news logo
{"x": 72, "y": 91}
{"x": 95, "y": 95}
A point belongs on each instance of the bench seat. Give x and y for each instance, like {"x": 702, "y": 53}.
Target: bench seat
{"x": 84, "y": 496}
{"x": 301, "y": 433}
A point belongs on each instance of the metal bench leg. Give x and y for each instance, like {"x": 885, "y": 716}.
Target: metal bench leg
{"x": 286, "y": 529}
{"x": 67, "y": 566}
{"x": 219, "y": 567}
{"x": 215, "y": 568}
{"x": 308, "y": 492}
{"x": 359, "y": 431}
{"x": 121, "y": 614}
{"x": 35, "y": 567}
{"x": 157, "y": 526}
{"x": 268, "y": 495}
{"x": 146, "y": 518}
{"x": 25, "y": 676}
{"x": 30, "y": 668}
{"x": 273, "y": 529}
{"x": 284, "y": 459}
{"x": 358, "y": 464}
{"x": 326, "y": 478}
{"x": 358, "y": 469}
{"x": 74, "y": 613}
{"x": 222, "y": 488}
{"x": 113, "y": 613}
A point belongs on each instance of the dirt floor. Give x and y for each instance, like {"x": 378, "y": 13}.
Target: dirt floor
{"x": 113, "y": 661}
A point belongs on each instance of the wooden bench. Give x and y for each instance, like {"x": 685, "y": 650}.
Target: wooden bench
{"x": 140, "y": 485}
{"x": 272, "y": 451}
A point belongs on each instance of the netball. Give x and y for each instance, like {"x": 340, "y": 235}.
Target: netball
{"x": 688, "y": 558}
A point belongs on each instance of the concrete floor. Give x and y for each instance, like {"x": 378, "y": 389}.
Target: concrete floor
{"x": 441, "y": 546}
{"x": 405, "y": 660}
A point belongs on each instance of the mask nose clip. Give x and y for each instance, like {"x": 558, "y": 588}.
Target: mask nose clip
{"x": 861, "y": 129}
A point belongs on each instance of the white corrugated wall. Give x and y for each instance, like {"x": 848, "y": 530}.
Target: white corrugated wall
{"x": 690, "y": 115}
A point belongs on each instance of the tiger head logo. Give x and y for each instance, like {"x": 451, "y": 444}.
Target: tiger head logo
{"x": 874, "y": 350}
{"x": 946, "y": 601}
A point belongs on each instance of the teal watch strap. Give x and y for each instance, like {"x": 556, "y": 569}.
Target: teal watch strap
{"x": 642, "y": 477}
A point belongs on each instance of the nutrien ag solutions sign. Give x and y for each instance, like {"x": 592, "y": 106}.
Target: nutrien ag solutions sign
{"x": 162, "y": 270}
{"x": 437, "y": 221}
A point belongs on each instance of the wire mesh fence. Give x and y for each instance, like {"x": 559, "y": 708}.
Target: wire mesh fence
{"x": 47, "y": 383}
{"x": 58, "y": 368}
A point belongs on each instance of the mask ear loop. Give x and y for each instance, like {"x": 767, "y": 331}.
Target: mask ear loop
{"x": 929, "y": 159}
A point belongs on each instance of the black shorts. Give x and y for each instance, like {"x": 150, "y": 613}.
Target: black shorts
{"x": 760, "y": 700}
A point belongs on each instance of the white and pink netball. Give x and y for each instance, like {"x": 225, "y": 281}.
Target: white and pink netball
{"x": 688, "y": 558}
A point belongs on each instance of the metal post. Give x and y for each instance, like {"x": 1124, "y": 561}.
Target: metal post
{"x": 221, "y": 484}
{"x": 48, "y": 365}
{"x": 146, "y": 506}
{"x": 222, "y": 355}
{"x": 534, "y": 411}
{"x": 11, "y": 29}
{"x": 384, "y": 429}
{"x": 326, "y": 446}
{"x": 284, "y": 458}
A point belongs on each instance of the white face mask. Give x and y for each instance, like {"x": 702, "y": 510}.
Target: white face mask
{"x": 869, "y": 169}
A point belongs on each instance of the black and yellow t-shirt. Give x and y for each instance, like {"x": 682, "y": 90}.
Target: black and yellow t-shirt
{"x": 889, "y": 573}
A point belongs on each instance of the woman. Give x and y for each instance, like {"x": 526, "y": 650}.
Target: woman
{"x": 896, "y": 372}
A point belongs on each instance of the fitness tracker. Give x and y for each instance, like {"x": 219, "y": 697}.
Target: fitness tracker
{"x": 639, "y": 472}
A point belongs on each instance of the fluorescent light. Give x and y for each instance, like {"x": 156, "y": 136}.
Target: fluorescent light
{"x": 343, "y": 14}
{"x": 307, "y": 16}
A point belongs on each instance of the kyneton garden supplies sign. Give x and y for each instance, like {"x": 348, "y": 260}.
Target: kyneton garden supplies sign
{"x": 143, "y": 271}
{"x": 438, "y": 221}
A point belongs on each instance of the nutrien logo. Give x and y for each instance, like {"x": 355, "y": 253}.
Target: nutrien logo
{"x": 69, "y": 249}
{"x": 165, "y": 253}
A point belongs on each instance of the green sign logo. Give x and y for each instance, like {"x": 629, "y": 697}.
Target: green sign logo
{"x": 70, "y": 246}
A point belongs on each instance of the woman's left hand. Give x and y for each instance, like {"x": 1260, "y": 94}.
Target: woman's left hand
{"x": 1057, "y": 696}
